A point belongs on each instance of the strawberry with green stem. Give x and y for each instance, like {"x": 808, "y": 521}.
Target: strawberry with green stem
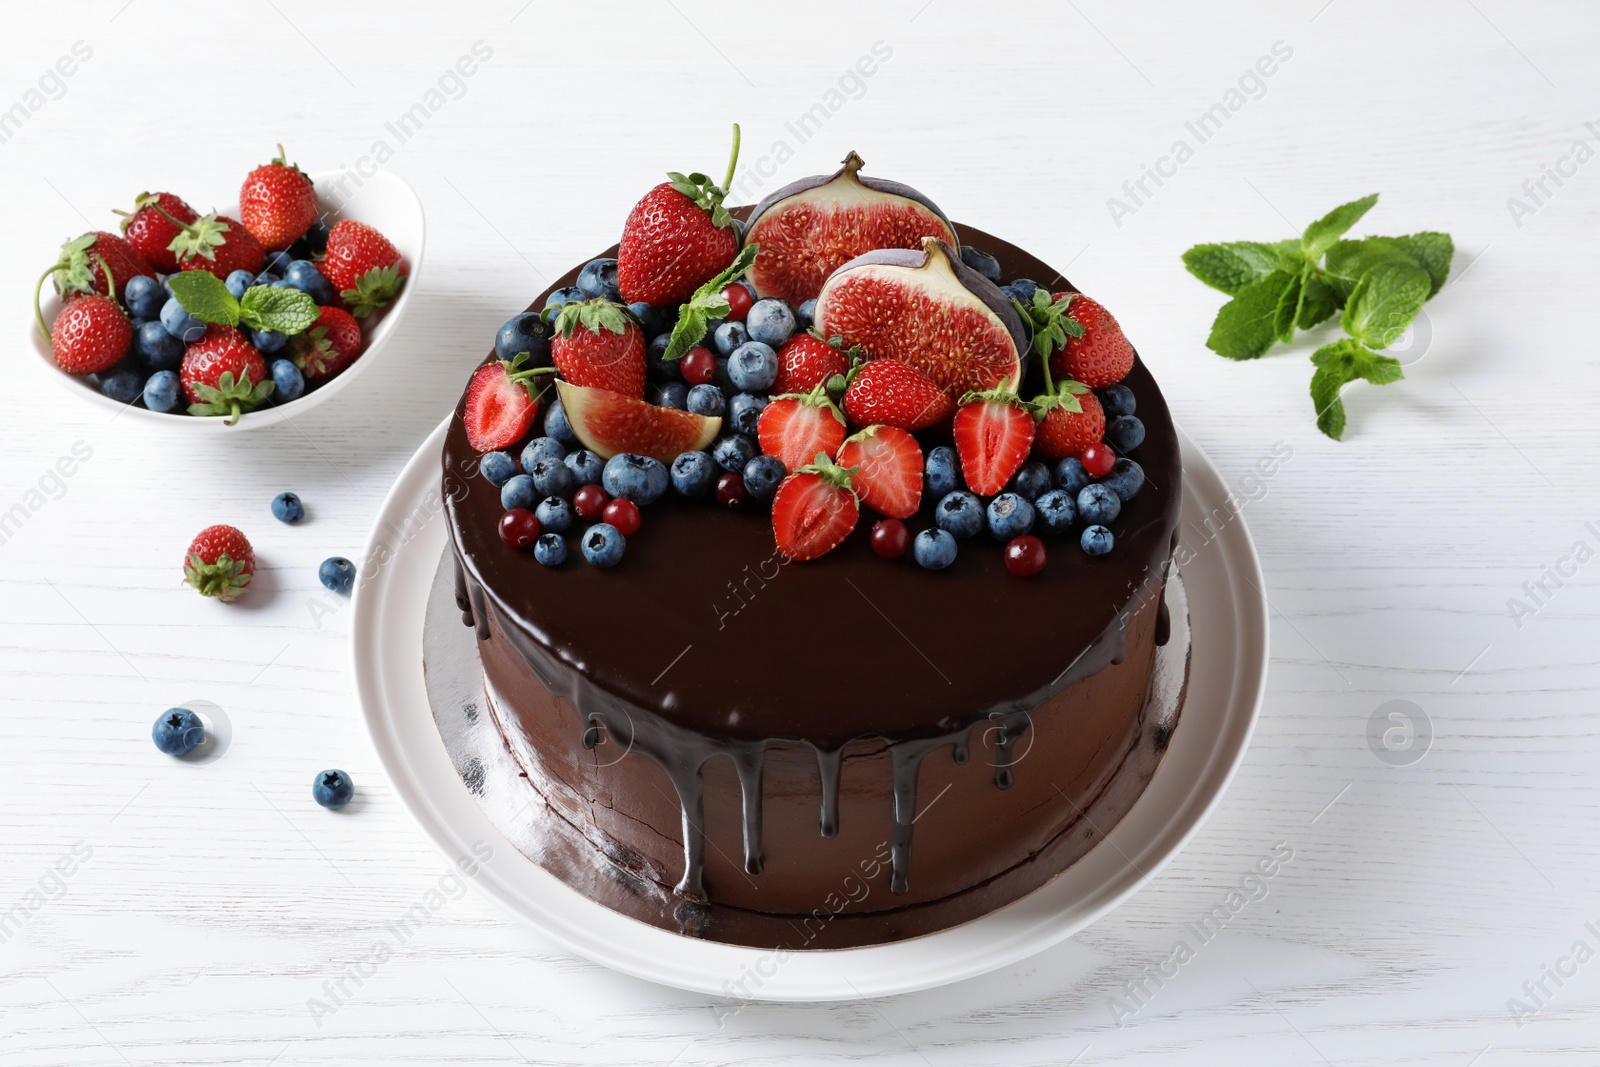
{"x": 794, "y": 427}
{"x": 677, "y": 237}
{"x": 330, "y": 345}
{"x": 91, "y": 334}
{"x": 993, "y": 433}
{"x": 94, "y": 263}
{"x": 891, "y": 393}
{"x": 501, "y": 403}
{"x": 277, "y": 203}
{"x": 223, "y": 374}
{"x": 364, "y": 266}
{"x": 219, "y": 563}
{"x": 150, "y": 228}
{"x": 215, "y": 244}
{"x": 815, "y": 509}
{"x": 600, "y": 344}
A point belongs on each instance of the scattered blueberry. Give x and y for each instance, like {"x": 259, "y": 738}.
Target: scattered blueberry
{"x": 337, "y": 574}
{"x": 943, "y": 472}
{"x": 744, "y": 411}
{"x": 1098, "y": 505}
{"x": 1032, "y": 480}
{"x": 497, "y": 467}
{"x": 554, "y": 513}
{"x": 562, "y": 297}
{"x": 277, "y": 262}
{"x": 286, "y": 507}
{"x": 144, "y": 297}
{"x": 287, "y": 380}
{"x": 238, "y": 282}
{"x": 556, "y": 424}
{"x": 586, "y": 467}
{"x": 179, "y": 323}
{"x": 178, "y": 731}
{"x": 694, "y": 473}
{"x": 550, "y": 550}
{"x": 122, "y": 385}
{"x": 1117, "y": 400}
{"x": 960, "y": 513}
{"x": 640, "y": 479}
{"x": 753, "y": 366}
{"x": 598, "y": 279}
{"x": 158, "y": 348}
{"x": 268, "y": 341}
{"x": 762, "y": 475}
{"x": 1024, "y": 288}
{"x": 541, "y": 448}
{"x": 333, "y": 789}
{"x": 526, "y": 332}
{"x": 552, "y": 477}
{"x": 805, "y": 316}
{"x": 1125, "y": 480}
{"x": 303, "y": 275}
{"x": 651, "y": 321}
{"x": 729, "y": 336}
{"x": 1056, "y": 510}
{"x": 1070, "y": 475}
{"x": 771, "y": 322}
{"x": 733, "y": 451}
{"x": 519, "y": 492}
{"x": 161, "y": 392}
{"x": 270, "y": 279}
{"x": 706, "y": 400}
{"x": 673, "y": 395}
{"x": 603, "y": 545}
{"x": 982, "y": 262}
{"x": 1125, "y": 432}
{"x": 1009, "y": 516}
{"x": 1096, "y": 540}
{"x": 934, "y": 549}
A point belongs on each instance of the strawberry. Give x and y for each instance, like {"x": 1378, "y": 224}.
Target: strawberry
{"x": 91, "y": 335}
{"x": 814, "y": 509}
{"x": 888, "y": 466}
{"x": 219, "y": 563}
{"x": 994, "y": 434}
{"x": 331, "y": 344}
{"x": 500, "y": 404}
{"x": 895, "y": 394}
{"x": 95, "y": 263}
{"x": 223, "y": 374}
{"x": 217, "y": 244}
{"x": 806, "y": 361}
{"x": 796, "y": 426}
{"x": 277, "y": 203}
{"x": 677, "y": 238}
{"x": 599, "y": 344}
{"x": 150, "y": 227}
{"x": 1070, "y": 420}
{"x": 1079, "y": 339}
{"x": 363, "y": 266}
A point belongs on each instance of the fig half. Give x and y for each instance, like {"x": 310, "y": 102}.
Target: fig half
{"x": 930, "y": 310}
{"x": 811, "y": 227}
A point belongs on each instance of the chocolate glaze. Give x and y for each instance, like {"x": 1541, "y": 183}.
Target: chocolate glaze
{"x": 706, "y": 643}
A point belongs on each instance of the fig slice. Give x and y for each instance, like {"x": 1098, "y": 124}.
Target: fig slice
{"x": 608, "y": 423}
{"x": 930, "y": 310}
{"x": 811, "y": 227}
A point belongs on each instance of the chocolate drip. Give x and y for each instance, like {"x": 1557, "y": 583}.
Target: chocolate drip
{"x": 475, "y": 592}
{"x": 1008, "y": 732}
{"x": 906, "y": 757}
{"x": 749, "y": 760}
{"x": 463, "y": 599}
{"x": 829, "y": 762}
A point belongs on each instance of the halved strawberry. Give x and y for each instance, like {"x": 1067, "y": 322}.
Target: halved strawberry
{"x": 895, "y": 394}
{"x": 993, "y": 435}
{"x": 1070, "y": 420}
{"x": 599, "y": 344}
{"x": 805, "y": 362}
{"x": 814, "y": 510}
{"x": 609, "y": 423}
{"x": 796, "y": 426}
{"x": 888, "y": 470}
{"x": 501, "y": 404}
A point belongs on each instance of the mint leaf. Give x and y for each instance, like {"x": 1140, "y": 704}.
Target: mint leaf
{"x": 1246, "y": 326}
{"x": 1384, "y": 302}
{"x": 706, "y": 304}
{"x": 1337, "y": 364}
{"x": 1320, "y": 235}
{"x": 1230, "y": 267}
{"x": 288, "y": 311}
{"x": 1432, "y": 252}
{"x": 1319, "y": 302}
{"x": 205, "y": 297}
{"x": 1287, "y": 313}
{"x": 1325, "y": 386}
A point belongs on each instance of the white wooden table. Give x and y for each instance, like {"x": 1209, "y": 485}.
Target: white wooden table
{"x": 214, "y": 915}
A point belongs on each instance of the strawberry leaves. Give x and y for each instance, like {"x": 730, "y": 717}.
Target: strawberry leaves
{"x": 1052, "y": 322}
{"x": 230, "y": 396}
{"x": 699, "y": 188}
{"x": 592, "y": 315}
{"x": 288, "y": 311}
{"x": 373, "y": 290}
{"x": 202, "y": 237}
{"x": 707, "y": 303}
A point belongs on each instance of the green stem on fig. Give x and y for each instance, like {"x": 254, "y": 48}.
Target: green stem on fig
{"x": 733, "y": 161}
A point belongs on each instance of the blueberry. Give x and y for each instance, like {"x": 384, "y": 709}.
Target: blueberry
{"x": 161, "y": 392}
{"x": 762, "y": 475}
{"x": 733, "y": 451}
{"x": 1125, "y": 432}
{"x": 144, "y": 297}
{"x": 694, "y": 473}
{"x": 269, "y": 279}
{"x": 519, "y": 492}
{"x": 658, "y": 347}
{"x": 1009, "y": 516}
{"x": 313, "y": 242}
{"x": 706, "y": 400}
{"x": 1098, "y": 505}
{"x": 286, "y": 507}
{"x": 158, "y": 348}
{"x": 744, "y": 411}
{"x": 337, "y": 574}
{"x": 497, "y": 467}
{"x": 934, "y": 549}
{"x": 639, "y": 478}
{"x": 332, "y": 789}
{"x": 1096, "y": 540}
{"x": 960, "y": 513}
{"x": 238, "y": 282}
{"x": 554, "y": 513}
{"x": 943, "y": 472}
{"x": 123, "y": 384}
{"x": 1024, "y": 288}
{"x": 268, "y": 341}
{"x": 1070, "y": 475}
{"x": 179, "y": 323}
{"x": 729, "y": 336}
{"x": 1125, "y": 480}
{"x": 288, "y": 383}
{"x": 541, "y": 448}
{"x": 770, "y": 322}
{"x": 526, "y": 332}
{"x": 556, "y": 424}
{"x": 552, "y": 477}
{"x": 805, "y": 316}
{"x": 586, "y": 467}
{"x": 673, "y": 395}
{"x": 303, "y": 275}
{"x": 753, "y": 366}
{"x": 603, "y": 545}
{"x": 982, "y": 262}
{"x": 277, "y": 263}
{"x": 178, "y": 731}
{"x": 598, "y": 279}
{"x": 1056, "y": 510}
{"x": 550, "y": 550}
{"x": 1117, "y": 400}
{"x": 562, "y": 297}
{"x": 1031, "y": 480}
{"x": 651, "y": 321}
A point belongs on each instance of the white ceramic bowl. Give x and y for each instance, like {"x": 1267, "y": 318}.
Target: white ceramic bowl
{"x": 383, "y": 201}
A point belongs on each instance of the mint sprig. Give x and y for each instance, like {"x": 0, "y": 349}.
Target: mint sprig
{"x": 1376, "y": 285}
{"x": 203, "y": 295}
{"x": 707, "y": 303}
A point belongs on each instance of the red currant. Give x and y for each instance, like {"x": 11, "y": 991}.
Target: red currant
{"x": 624, "y": 515}
{"x": 1025, "y": 556}
{"x": 698, "y": 366}
{"x": 890, "y": 538}
{"x": 519, "y": 528}
{"x": 1098, "y": 459}
{"x": 590, "y": 502}
{"x": 739, "y": 301}
{"x": 731, "y": 492}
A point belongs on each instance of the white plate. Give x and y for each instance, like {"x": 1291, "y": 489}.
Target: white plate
{"x": 383, "y": 201}
{"x": 1228, "y": 669}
